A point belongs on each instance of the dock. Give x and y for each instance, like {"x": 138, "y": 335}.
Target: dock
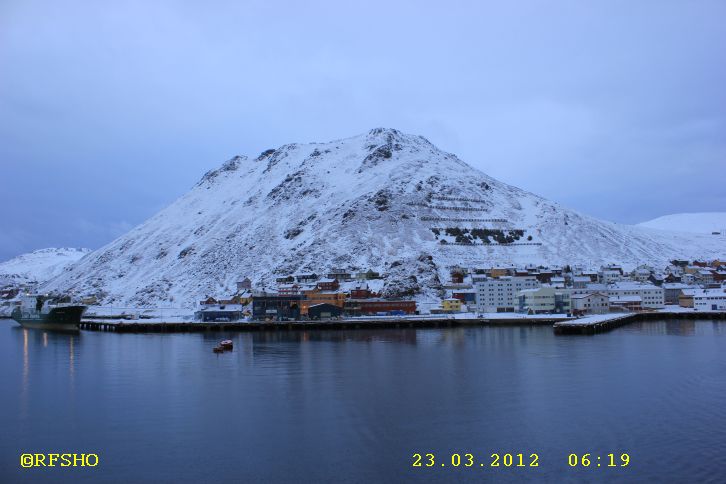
{"x": 141, "y": 326}
{"x": 598, "y": 323}
{"x": 601, "y": 323}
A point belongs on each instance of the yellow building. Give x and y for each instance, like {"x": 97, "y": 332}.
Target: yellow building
{"x": 499, "y": 271}
{"x": 316, "y": 296}
{"x": 451, "y": 305}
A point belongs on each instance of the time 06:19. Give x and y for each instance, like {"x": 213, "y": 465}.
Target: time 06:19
{"x": 586, "y": 460}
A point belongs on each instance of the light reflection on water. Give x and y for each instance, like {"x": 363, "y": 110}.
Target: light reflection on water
{"x": 337, "y": 406}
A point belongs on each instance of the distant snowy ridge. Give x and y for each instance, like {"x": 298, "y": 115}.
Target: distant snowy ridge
{"x": 39, "y": 266}
{"x": 697, "y": 223}
{"x": 383, "y": 200}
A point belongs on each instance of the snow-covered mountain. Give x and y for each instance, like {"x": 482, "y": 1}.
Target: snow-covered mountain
{"x": 38, "y": 266}
{"x": 384, "y": 200}
{"x": 697, "y": 223}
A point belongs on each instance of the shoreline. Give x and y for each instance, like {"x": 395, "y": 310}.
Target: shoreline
{"x": 586, "y": 325}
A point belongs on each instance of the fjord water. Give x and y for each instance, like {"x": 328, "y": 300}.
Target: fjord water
{"x": 354, "y": 406}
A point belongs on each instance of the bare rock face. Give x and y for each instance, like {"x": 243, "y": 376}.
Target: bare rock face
{"x": 384, "y": 200}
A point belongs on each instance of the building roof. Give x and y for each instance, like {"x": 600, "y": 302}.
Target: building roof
{"x": 586, "y": 295}
{"x": 617, "y": 299}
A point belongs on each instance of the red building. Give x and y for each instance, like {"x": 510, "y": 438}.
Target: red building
{"x": 358, "y": 307}
{"x": 328, "y": 284}
{"x": 362, "y": 293}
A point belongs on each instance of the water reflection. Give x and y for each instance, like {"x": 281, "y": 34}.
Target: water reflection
{"x": 353, "y": 404}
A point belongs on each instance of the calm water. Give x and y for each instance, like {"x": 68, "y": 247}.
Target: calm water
{"x": 353, "y": 406}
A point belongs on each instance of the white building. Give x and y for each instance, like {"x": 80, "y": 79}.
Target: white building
{"x": 709, "y": 300}
{"x": 545, "y": 299}
{"x": 651, "y": 296}
{"x": 500, "y": 294}
{"x": 671, "y": 291}
{"x": 590, "y": 303}
{"x": 609, "y": 276}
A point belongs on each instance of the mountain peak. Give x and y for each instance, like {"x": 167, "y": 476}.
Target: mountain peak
{"x": 381, "y": 200}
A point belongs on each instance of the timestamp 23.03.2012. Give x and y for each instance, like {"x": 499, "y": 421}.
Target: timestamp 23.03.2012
{"x": 525, "y": 459}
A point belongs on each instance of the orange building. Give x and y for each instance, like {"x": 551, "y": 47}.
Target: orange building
{"x": 316, "y": 296}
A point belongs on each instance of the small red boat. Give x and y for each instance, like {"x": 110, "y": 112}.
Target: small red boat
{"x": 226, "y": 344}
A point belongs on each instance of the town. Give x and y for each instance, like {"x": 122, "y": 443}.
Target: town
{"x": 530, "y": 290}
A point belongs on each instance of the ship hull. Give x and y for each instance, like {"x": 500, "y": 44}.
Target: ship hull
{"x": 66, "y": 318}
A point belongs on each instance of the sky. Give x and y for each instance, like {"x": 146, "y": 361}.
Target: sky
{"x": 109, "y": 111}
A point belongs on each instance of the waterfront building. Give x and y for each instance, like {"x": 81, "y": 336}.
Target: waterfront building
{"x": 497, "y": 295}
{"x": 276, "y": 306}
{"x": 362, "y": 307}
{"x": 685, "y": 298}
{"x": 324, "y": 311}
{"x": 590, "y": 303}
{"x": 545, "y": 299}
{"x": 315, "y": 296}
{"x": 219, "y": 312}
{"x": 709, "y": 300}
{"x": 651, "y": 297}
{"x": 451, "y": 305}
{"x": 671, "y": 291}
{"x": 626, "y": 303}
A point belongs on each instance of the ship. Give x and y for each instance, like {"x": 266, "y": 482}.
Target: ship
{"x": 43, "y": 312}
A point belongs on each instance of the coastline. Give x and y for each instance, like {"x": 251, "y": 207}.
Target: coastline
{"x": 561, "y": 324}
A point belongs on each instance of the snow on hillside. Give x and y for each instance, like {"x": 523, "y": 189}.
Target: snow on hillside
{"x": 697, "y": 223}
{"x": 38, "y": 266}
{"x": 384, "y": 200}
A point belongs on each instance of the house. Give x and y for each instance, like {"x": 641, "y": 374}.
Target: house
{"x": 358, "y": 307}
{"x": 324, "y": 311}
{"x": 544, "y": 276}
{"x": 285, "y": 280}
{"x": 339, "y": 274}
{"x": 274, "y": 306}
{"x": 499, "y": 271}
{"x": 590, "y": 303}
{"x": 704, "y": 276}
{"x": 457, "y": 276}
{"x": 288, "y": 289}
{"x": 641, "y": 274}
{"x": 688, "y": 278}
{"x": 244, "y": 285}
{"x": 306, "y": 278}
{"x": 593, "y": 275}
{"x": 609, "y": 276}
{"x": 328, "y": 284}
{"x": 545, "y": 299}
{"x": 368, "y": 275}
{"x": 451, "y": 305}
{"x": 362, "y": 293}
{"x": 656, "y": 279}
{"x": 580, "y": 282}
{"x": 671, "y": 278}
{"x": 557, "y": 281}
